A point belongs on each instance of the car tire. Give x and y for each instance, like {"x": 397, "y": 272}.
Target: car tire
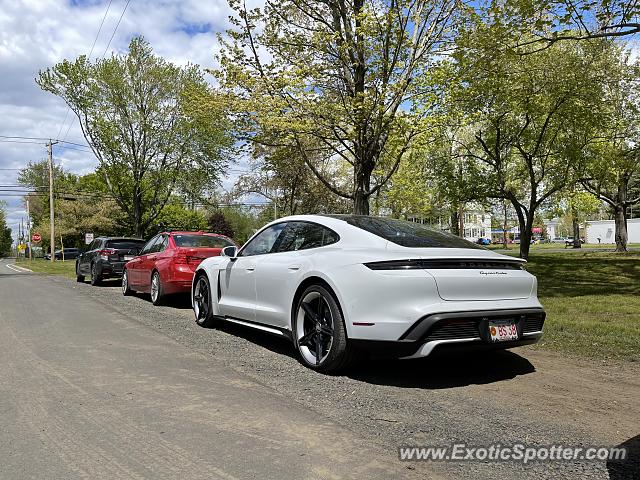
{"x": 319, "y": 332}
{"x": 79, "y": 278}
{"x": 126, "y": 289}
{"x": 157, "y": 292}
{"x": 96, "y": 278}
{"x": 202, "y": 301}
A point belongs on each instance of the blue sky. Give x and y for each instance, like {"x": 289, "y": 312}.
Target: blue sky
{"x": 35, "y": 34}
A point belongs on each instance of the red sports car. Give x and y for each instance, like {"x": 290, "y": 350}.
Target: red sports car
{"x": 166, "y": 263}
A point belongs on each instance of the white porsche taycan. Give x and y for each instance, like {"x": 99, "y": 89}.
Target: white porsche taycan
{"x": 339, "y": 284}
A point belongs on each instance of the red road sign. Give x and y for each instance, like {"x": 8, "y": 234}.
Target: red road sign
{"x": 36, "y": 237}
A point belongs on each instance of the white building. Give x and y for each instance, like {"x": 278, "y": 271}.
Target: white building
{"x": 606, "y": 230}
{"x": 477, "y": 224}
{"x": 552, "y": 227}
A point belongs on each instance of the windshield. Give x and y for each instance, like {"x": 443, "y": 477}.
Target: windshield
{"x": 407, "y": 234}
{"x": 125, "y": 244}
{"x": 202, "y": 241}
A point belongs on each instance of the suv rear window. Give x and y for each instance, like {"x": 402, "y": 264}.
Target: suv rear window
{"x": 407, "y": 234}
{"x": 125, "y": 244}
{"x": 201, "y": 241}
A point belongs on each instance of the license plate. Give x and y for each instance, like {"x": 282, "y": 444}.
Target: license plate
{"x": 128, "y": 257}
{"x": 503, "y": 331}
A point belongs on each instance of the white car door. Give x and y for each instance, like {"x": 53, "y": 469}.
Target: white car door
{"x": 278, "y": 273}
{"x": 237, "y": 281}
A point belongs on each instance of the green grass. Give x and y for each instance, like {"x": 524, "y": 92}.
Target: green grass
{"x": 592, "y": 301}
{"x": 39, "y": 265}
{"x": 554, "y": 246}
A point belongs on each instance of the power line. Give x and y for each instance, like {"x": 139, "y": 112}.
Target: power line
{"x": 89, "y": 58}
{"x": 76, "y": 144}
{"x": 116, "y": 29}
{"x": 21, "y": 141}
{"x": 22, "y": 138}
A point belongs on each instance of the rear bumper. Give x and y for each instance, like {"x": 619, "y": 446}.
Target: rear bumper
{"x": 179, "y": 279}
{"x": 109, "y": 269}
{"x": 459, "y": 331}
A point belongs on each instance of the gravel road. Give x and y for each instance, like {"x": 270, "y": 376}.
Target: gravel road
{"x": 527, "y": 396}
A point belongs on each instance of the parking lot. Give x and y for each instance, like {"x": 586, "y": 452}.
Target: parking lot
{"x": 94, "y": 380}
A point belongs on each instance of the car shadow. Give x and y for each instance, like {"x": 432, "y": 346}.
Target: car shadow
{"x": 110, "y": 283}
{"x": 443, "y": 370}
{"x": 273, "y": 343}
{"x": 628, "y": 468}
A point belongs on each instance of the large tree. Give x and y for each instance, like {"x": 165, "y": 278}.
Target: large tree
{"x": 335, "y": 81}
{"x": 150, "y": 139}
{"x": 528, "y": 118}
{"x": 5, "y": 232}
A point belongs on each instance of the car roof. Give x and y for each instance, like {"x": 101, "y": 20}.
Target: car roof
{"x": 194, "y": 232}
{"x": 120, "y": 238}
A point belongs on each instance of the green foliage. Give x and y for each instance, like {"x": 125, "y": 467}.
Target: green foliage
{"x": 82, "y": 204}
{"x": 218, "y": 223}
{"x": 138, "y": 115}
{"x": 526, "y": 119}
{"x": 176, "y": 215}
{"x": 280, "y": 175}
{"x": 243, "y": 221}
{"x": 5, "y": 232}
{"x": 334, "y": 81}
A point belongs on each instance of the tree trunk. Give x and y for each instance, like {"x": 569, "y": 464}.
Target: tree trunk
{"x": 524, "y": 224}
{"x": 576, "y": 228}
{"x": 577, "y": 242}
{"x": 620, "y": 217}
{"x": 455, "y": 224}
{"x": 362, "y": 183}
{"x": 525, "y": 239}
{"x": 504, "y": 227}
{"x": 137, "y": 213}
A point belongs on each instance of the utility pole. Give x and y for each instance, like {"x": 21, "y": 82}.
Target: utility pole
{"x": 29, "y": 230}
{"x": 53, "y": 238}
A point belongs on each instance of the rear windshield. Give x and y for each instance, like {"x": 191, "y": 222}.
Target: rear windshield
{"x": 407, "y": 234}
{"x": 202, "y": 241}
{"x": 126, "y": 244}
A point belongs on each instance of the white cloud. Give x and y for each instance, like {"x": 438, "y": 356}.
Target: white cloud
{"x": 36, "y": 34}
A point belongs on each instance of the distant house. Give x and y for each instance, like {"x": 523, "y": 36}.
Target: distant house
{"x": 606, "y": 230}
{"x": 477, "y": 223}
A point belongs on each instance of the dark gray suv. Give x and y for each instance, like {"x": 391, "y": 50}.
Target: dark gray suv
{"x": 105, "y": 258}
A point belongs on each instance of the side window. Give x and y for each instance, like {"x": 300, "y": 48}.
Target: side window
{"x": 305, "y": 235}
{"x": 263, "y": 242}
{"x": 147, "y": 247}
{"x": 93, "y": 245}
{"x": 161, "y": 244}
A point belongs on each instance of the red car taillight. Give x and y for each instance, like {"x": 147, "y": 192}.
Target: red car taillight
{"x": 180, "y": 258}
{"x": 104, "y": 254}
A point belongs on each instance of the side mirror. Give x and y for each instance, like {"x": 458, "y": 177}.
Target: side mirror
{"x": 230, "y": 251}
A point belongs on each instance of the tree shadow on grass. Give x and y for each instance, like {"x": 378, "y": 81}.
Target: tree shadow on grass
{"x": 588, "y": 274}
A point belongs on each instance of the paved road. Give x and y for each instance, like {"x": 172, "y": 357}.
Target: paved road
{"x": 115, "y": 387}
{"x": 85, "y": 392}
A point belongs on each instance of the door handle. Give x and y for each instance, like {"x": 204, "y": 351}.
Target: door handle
{"x": 250, "y": 269}
{"x": 294, "y": 267}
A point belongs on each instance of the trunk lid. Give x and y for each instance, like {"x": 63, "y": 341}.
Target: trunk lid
{"x": 195, "y": 255}
{"x": 472, "y": 275}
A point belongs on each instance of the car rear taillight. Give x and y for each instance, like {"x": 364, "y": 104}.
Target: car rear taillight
{"x": 106, "y": 253}
{"x": 180, "y": 258}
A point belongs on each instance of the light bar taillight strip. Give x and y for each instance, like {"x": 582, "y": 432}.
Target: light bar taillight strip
{"x": 413, "y": 264}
